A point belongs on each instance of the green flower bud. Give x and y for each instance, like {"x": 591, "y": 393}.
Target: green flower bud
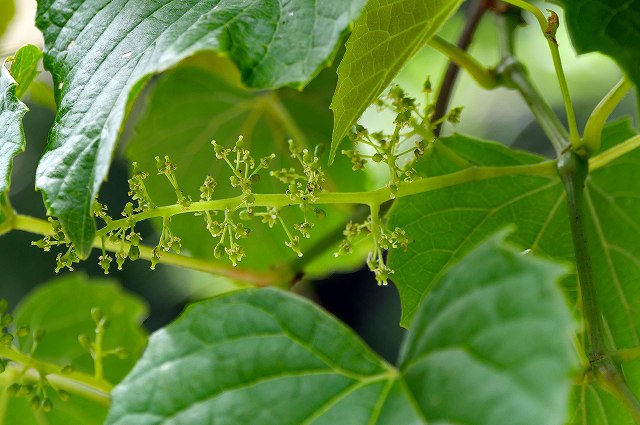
{"x": 96, "y": 314}
{"x": 23, "y": 331}
{"x": 84, "y": 341}
{"x": 47, "y": 405}
{"x": 13, "y": 389}
{"x": 6, "y": 320}
{"x": 64, "y": 396}
{"x": 134, "y": 252}
{"x": 218, "y": 251}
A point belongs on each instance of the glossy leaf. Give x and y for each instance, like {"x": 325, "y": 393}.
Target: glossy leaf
{"x": 11, "y": 132}
{"x": 491, "y": 344}
{"x": 384, "y": 38}
{"x": 24, "y": 67}
{"x": 192, "y": 105}
{"x": 101, "y": 54}
{"x": 62, "y": 310}
{"x": 445, "y": 224}
{"x": 612, "y": 28}
{"x": 264, "y": 356}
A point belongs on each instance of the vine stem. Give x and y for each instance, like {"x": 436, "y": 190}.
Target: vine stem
{"x": 513, "y": 74}
{"x": 74, "y": 382}
{"x": 597, "y": 119}
{"x": 573, "y": 170}
{"x": 459, "y": 58}
{"x": 547, "y": 29}
{"x": 464, "y": 60}
{"x": 285, "y": 275}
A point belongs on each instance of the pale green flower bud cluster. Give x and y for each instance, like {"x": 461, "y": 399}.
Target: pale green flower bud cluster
{"x": 302, "y": 186}
{"x": 58, "y": 238}
{"x": 243, "y": 166}
{"x": 383, "y": 239}
{"x": 412, "y": 136}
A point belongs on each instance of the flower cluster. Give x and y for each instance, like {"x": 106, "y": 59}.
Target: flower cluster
{"x": 243, "y": 166}
{"x": 412, "y": 134}
{"x": 302, "y": 186}
{"x": 383, "y": 239}
{"x": 58, "y": 238}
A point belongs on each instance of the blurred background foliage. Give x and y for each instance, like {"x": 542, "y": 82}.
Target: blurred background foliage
{"x": 354, "y": 297}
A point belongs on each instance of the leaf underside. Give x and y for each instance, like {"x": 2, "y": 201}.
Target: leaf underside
{"x": 101, "y": 53}
{"x": 264, "y": 356}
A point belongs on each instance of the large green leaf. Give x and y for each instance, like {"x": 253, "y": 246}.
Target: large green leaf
{"x": 610, "y": 27}
{"x": 62, "y": 310}
{"x": 445, "y": 224}
{"x": 258, "y": 356}
{"x": 191, "y": 105}
{"x": 491, "y": 347}
{"x": 11, "y": 132}
{"x": 384, "y": 38}
{"x": 101, "y": 53}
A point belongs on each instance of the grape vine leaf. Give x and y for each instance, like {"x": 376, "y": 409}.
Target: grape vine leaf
{"x": 265, "y": 356}
{"x": 194, "y": 103}
{"x": 384, "y": 38}
{"x": 61, "y": 309}
{"x": 445, "y": 224}
{"x": 612, "y": 28}
{"x": 102, "y": 54}
{"x": 12, "y": 110}
{"x": 536, "y": 205}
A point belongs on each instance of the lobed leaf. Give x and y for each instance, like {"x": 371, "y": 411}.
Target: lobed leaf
{"x": 384, "y": 38}
{"x": 101, "y": 53}
{"x": 264, "y": 356}
{"x": 445, "y": 224}
{"x": 492, "y": 343}
{"x": 612, "y": 28}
